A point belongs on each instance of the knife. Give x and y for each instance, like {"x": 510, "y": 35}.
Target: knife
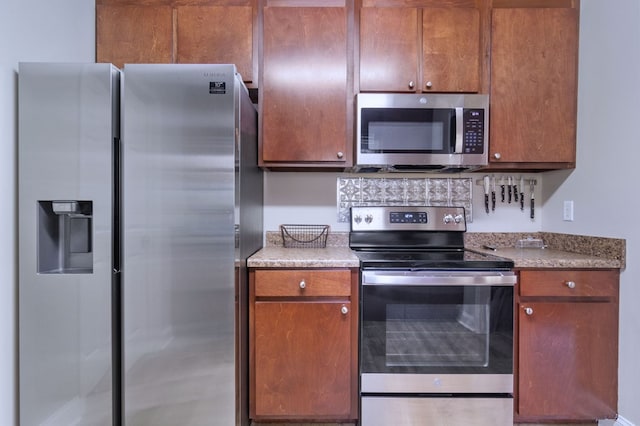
{"x": 531, "y": 185}
{"x": 486, "y": 193}
{"x": 515, "y": 191}
{"x": 493, "y": 193}
{"x": 509, "y": 188}
{"x": 521, "y": 193}
{"x": 502, "y": 189}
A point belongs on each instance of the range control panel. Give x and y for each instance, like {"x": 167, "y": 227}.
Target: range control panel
{"x": 408, "y": 218}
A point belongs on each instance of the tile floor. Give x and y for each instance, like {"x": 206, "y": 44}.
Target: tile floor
{"x": 351, "y": 424}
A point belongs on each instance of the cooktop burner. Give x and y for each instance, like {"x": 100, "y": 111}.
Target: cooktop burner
{"x": 448, "y": 259}
{"x": 416, "y": 238}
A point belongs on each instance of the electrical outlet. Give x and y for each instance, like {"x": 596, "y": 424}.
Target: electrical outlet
{"x": 567, "y": 212}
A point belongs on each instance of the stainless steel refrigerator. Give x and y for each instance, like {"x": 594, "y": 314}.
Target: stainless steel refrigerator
{"x": 139, "y": 201}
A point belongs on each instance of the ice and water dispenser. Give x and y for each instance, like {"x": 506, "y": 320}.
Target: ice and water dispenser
{"x": 65, "y": 237}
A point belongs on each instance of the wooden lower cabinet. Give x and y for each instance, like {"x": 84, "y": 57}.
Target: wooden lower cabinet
{"x": 303, "y": 344}
{"x": 567, "y": 345}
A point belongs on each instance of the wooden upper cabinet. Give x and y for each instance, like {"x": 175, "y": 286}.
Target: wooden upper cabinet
{"x": 533, "y": 99}
{"x": 305, "y": 97}
{"x": 216, "y": 35}
{"x": 451, "y": 50}
{"x": 388, "y": 49}
{"x": 133, "y": 34}
{"x": 430, "y": 49}
{"x": 178, "y": 31}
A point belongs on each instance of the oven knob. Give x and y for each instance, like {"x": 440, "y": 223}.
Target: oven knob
{"x": 368, "y": 218}
{"x": 458, "y": 218}
{"x": 357, "y": 218}
{"x": 448, "y": 218}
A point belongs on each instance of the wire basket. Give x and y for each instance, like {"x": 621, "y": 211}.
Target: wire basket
{"x": 304, "y": 236}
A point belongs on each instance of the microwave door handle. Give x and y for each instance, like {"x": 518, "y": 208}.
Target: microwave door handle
{"x": 459, "y": 131}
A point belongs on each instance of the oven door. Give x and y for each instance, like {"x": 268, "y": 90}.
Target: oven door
{"x": 436, "y": 332}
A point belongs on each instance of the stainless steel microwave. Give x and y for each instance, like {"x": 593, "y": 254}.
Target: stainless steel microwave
{"x": 421, "y": 132}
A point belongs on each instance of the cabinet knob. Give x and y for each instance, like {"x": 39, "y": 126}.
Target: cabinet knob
{"x": 528, "y": 311}
{"x": 344, "y": 310}
{"x": 571, "y": 284}
{"x": 429, "y": 85}
{"x": 412, "y": 85}
{"x": 303, "y": 284}
{"x": 497, "y": 155}
{"x": 340, "y": 154}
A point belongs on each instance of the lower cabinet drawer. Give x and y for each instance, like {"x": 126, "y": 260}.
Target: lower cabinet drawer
{"x": 303, "y": 282}
{"x": 569, "y": 283}
{"x": 441, "y": 411}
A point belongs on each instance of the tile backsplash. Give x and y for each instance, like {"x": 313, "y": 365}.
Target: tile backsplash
{"x": 376, "y": 191}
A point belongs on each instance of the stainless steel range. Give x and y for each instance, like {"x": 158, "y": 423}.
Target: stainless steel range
{"x": 436, "y": 321}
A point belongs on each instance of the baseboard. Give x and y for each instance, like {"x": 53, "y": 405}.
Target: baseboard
{"x": 620, "y": 421}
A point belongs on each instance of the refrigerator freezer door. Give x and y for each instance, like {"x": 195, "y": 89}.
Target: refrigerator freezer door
{"x": 178, "y": 252}
{"x": 68, "y": 122}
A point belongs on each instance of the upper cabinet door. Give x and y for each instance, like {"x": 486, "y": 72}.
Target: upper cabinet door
{"x": 409, "y": 49}
{"x": 179, "y": 31}
{"x": 304, "y": 87}
{"x": 389, "y": 49}
{"x": 451, "y": 50}
{"x": 534, "y": 54}
{"x": 216, "y": 35}
{"x": 133, "y": 34}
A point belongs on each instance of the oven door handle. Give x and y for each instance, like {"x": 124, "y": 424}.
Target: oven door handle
{"x": 424, "y": 278}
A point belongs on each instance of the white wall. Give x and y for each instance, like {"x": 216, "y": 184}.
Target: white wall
{"x": 604, "y": 186}
{"x": 311, "y": 198}
{"x": 30, "y": 30}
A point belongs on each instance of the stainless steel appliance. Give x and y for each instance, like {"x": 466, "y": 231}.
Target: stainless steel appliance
{"x": 409, "y": 132}
{"x": 436, "y": 325}
{"x": 132, "y": 277}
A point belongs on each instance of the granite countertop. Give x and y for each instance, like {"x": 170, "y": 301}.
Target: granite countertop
{"x": 561, "y": 251}
{"x": 280, "y": 257}
{"x": 550, "y": 258}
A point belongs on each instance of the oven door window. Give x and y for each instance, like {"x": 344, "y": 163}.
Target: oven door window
{"x": 408, "y": 130}
{"x": 437, "y": 329}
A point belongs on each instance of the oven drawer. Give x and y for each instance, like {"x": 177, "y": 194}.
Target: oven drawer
{"x": 303, "y": 282}
{"x": 568, "y": 283}
{"x": 446, "y": 411}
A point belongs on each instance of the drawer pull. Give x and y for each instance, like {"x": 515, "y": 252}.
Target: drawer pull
{"x": 528, "y": 311}
{"x": 303, "y": 284}
{"x": 571, "y": 284}
{"x": 344, "y": 310}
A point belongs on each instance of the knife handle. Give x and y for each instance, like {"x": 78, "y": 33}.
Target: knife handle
{"x": 522, "y": 201}
{"x": 486, "y": 202}
{"x": 502, "y": 193}
{"x": 532, "y": 209}
{"x": 493, "y": 200}
{"x": 515, "y": 193}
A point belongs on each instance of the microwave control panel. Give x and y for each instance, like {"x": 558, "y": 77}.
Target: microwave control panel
{"x": 473, "y": 134}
